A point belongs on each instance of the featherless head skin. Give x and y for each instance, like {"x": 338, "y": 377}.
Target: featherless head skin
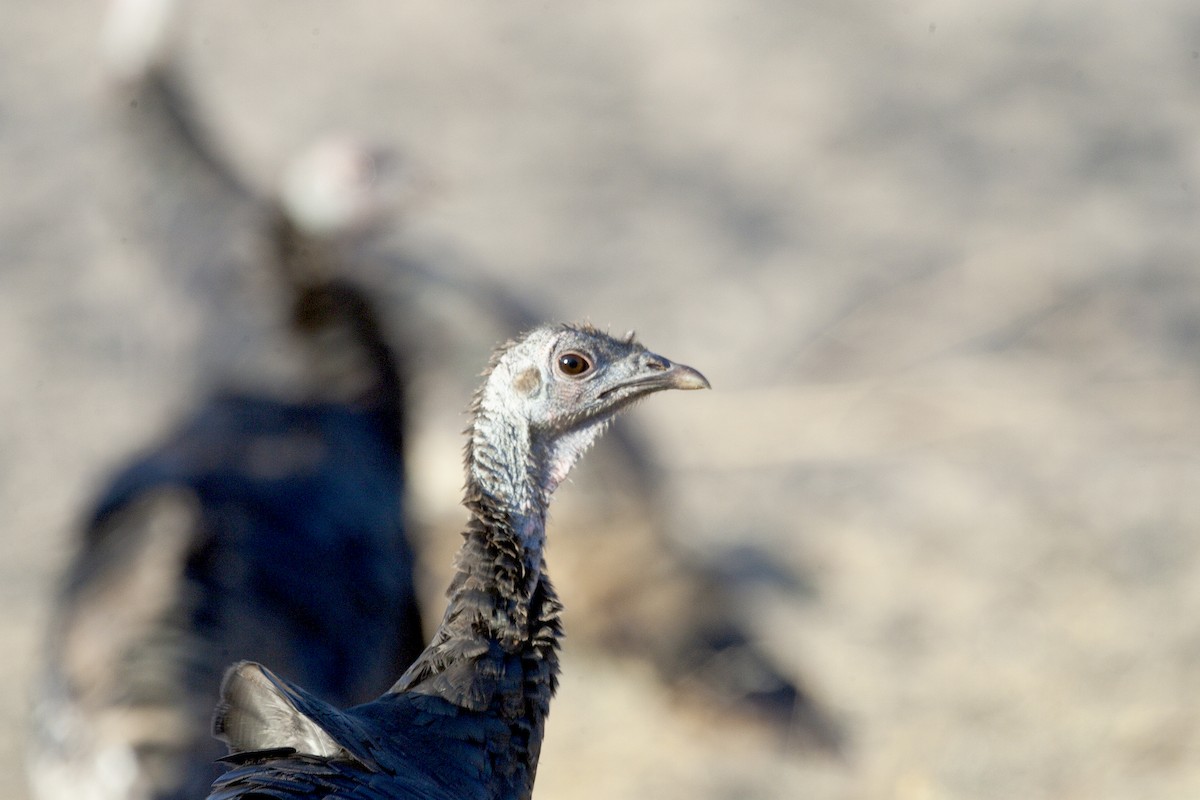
{"x": 551, "y": 392}
{"x": 562, "y": 375}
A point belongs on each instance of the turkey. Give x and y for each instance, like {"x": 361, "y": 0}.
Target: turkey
{"x": 197, "y": 551}
{"x": 466, "y": 719}
{"x": 642, "y": 598}
{"x": 201, "y": 550}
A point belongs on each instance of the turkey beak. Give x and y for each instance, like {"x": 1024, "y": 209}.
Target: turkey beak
{"x": 653, "y": 373}
{"x": 681, "y": 376}
{"x": 665, "y": 374}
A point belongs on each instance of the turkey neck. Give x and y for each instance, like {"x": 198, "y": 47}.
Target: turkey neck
{"x": 507, "y": 498}
{"x": 502, "y": 607}
{"x": 343, "y": 342}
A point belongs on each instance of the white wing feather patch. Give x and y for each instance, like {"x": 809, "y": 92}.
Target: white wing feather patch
{"x": 254, "y": 715}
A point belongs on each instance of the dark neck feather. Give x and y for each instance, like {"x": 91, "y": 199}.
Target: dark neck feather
{"x": 508, "y": 523}
{"x": 495, "y": 650}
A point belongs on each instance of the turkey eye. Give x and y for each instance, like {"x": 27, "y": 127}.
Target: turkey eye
{"x": 573, "y": 364}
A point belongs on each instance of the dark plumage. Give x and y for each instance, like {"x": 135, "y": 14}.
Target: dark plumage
{"x": 466, "y": 719}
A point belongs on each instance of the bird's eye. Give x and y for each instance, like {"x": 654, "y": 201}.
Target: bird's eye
{"x": 573, "y": 364}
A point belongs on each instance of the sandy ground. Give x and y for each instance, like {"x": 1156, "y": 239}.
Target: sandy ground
{"x": 939, "y": 260}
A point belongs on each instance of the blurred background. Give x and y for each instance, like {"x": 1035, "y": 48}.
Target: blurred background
{"x": 938, "y": 259}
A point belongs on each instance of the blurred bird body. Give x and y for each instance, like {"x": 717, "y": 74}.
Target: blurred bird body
{"x": 260, "y": 529}
{"x": 284, "y": 492}
{"x": 269, "y": 524}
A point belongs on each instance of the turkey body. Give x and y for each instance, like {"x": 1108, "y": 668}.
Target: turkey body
{"x": 408, "y": 745}
{"x": 259, "y": 529}
{"x": 285, "y": 492}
